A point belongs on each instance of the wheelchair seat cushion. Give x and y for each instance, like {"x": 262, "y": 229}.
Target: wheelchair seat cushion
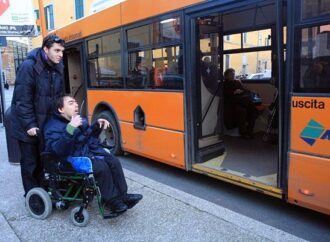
{"x": 81, "y": 164}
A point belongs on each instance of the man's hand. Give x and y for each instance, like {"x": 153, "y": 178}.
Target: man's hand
{"x": 103, "y": 123}
{"x": 33, "y": 131}
{"x": 76, "y": 121}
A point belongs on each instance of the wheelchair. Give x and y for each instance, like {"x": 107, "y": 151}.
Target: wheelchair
{"x": 61, "y": 186}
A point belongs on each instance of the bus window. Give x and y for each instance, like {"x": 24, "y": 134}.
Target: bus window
{"x": 251, "y": 65}
{"x": 165, "y": 68}
{"x": 103, "y": 45}
{"x": 104, "y": 61}
{"x": 105, "y": 71}
{"x": 152, "y": 66}
{"x": 138, "y": 37}
{"x": 257, "y": 38}
{"x": 314, "y": 59}
{"x": 232, "y": 41}
{"x": 159, "y": 68}
{"x": 250, "y": 54}
{"x": 312, "y": 8}
{"x": 139, "y": 69}
{"x": 167, "y": 30}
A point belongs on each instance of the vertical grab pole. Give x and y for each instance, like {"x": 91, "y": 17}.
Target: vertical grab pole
{"x": 279, "y": 59}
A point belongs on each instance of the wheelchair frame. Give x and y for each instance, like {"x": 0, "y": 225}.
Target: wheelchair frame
{"x": 78, "y": 187}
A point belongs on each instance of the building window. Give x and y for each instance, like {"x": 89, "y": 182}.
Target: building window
{"x": 79, "y": 8}
{"x": 37, "y": 15}
{"x": 49, "y": 13}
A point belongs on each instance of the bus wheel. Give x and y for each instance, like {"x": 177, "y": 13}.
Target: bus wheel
{"x": 110, "y": 138}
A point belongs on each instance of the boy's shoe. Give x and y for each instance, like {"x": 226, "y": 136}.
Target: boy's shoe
{"x": 117, "y": 206}
{"x": 132, "y": 199}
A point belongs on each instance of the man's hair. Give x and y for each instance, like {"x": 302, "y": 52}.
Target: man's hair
{"x": 229, "y": 70}
{"x": 60, "y": 102}
{"x": 50, "y": 39}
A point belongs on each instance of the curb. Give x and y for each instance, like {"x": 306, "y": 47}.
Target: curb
{"x": 239, "y": 220}
{"x": 7, "y": 233}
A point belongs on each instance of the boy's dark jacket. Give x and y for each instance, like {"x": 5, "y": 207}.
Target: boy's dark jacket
{"x": 83, "y": 142}
{"x": 38, "y": 85}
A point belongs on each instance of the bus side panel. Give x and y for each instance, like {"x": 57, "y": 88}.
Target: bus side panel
{"x": 162, "y": 145}
{"x": 142, "y": 9}
{"x": 162, "y": 109}
{"x": 310, "y": 125}
{"x": 309, "y": 182}
{"x": 95, "y": 23}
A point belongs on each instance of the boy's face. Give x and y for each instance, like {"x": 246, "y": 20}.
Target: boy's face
{"x": 70, "y": 108}
{"x": 54, "y": 53}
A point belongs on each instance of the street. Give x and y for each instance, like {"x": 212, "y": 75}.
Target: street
{"x": 301, "y": 222}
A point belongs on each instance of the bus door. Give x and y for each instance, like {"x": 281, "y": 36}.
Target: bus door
{"x": 209, "y": 89}
{"x": 309, "y": 150}
{"x": 74, "y": 76}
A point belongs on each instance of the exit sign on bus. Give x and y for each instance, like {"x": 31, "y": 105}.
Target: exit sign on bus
{"x": 4, "y": 5}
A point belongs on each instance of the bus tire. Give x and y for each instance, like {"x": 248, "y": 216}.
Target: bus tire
{"x": 110, "y": 138}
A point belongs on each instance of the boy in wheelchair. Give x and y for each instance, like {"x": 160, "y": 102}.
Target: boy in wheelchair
{"x": 74, "y": 160}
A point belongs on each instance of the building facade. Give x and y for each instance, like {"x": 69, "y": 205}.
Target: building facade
{"x": 59, "y": 13}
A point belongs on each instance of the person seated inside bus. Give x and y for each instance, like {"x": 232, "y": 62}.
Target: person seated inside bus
{"x": 139, "y": 75}
{"x": 317, "y": 74}
{"x": 239, "y": 109}
{"x": 69, "y": 137}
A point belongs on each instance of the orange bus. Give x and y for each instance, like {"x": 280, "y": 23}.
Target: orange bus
{"x": 154, "y": 69}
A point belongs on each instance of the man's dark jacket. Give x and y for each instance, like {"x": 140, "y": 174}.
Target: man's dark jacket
{"x": 83, "y": 142}
{"x": 38, "y": 85}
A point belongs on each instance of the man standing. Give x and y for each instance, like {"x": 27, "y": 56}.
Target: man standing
{"x": 69, "y": 137}
{"x": 39, "y": 82}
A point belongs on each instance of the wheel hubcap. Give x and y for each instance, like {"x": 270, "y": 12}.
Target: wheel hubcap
{"x": 36, "y": 204}
{"x": 107, "y": 138}
{"x": 79, "y": 217}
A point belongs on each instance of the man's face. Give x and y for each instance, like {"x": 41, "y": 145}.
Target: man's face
{"x": 230, "y": 76}
{"x": 70, "y": 108}
{"x": 54, "y": 53}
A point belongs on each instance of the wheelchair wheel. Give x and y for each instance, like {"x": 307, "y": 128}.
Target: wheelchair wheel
{"x": 38, "y": 203}
{"x": 79, "y": 220}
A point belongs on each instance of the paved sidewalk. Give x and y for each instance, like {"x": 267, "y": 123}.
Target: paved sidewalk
{"x": 165, "y": 214}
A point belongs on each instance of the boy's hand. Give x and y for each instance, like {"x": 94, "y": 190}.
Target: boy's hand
{"x": 103, "y": 123}
{"x": 76, "y": 121}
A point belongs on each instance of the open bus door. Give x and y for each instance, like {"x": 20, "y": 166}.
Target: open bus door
{"x": 222, "y": 41}
{"x": 209, "y": 89}
{"x": 74, "y": 76}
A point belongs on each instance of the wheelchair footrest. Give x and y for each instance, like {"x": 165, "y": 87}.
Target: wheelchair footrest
{"x": 109, "y": 215}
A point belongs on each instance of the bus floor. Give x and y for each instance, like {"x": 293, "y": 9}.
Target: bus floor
{"x": 252, "y": 159}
